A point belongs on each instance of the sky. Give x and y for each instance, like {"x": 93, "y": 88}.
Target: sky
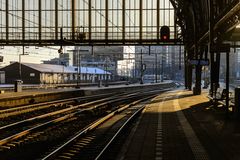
{"x": 33, "y": 55}
{"x": 64, "y": 20}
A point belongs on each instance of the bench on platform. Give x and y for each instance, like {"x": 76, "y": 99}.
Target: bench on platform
{"x": 220, "y": 97}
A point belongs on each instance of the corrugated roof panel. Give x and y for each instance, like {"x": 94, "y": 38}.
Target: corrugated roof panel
{"x": 51, "y": 68}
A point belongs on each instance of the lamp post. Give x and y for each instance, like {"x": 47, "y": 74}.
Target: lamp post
{"x": 20, "y": 66}
{"x": 78, "y": 57}
{"x": 162, "y": 70}
{"x": 156, "y": 67}
{"x": 106, "y": 71}
{"x": 81, "y": 37}
{"x": 141, "y": 69}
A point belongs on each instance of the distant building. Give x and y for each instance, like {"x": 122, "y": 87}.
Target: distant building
{"x": 31, "y": 73}
{"x": 104, "y": 57}
{"x": 64, "y": 59}
{"x": 166, "y": 61}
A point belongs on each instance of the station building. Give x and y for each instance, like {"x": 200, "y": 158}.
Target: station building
{"x": 31, "y": 73}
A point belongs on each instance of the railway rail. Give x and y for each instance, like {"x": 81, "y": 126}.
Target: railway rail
{"x": 27, "y": 138}
{"x": 16, "y": 114}
{"x": 107, "y": 129}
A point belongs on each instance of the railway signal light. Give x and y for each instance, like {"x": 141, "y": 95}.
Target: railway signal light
{"x": 165, "y": 33}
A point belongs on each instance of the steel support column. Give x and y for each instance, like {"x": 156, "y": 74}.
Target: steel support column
{"x": 7, "y": 20}
{"x": 73, "y": 18}
{"x": 141, "y": 69}
{"x": 227, "y": 84}
{"x": 211, "y": 41}
{"x": 156, "y": 68}
{"x": 175, "y": 25}
{"x": 23, "y": 20}
{"x": 140, "y": 20}
{"x": 189, "y": 77}
{"x": 90, "y": 19}
{"x": 198, "y": 79}
{"x": 39, "y": 20}
{"x": 123, "y": 19}
{"x": 215, "y": 67}
{"x": 198, "y": 73}
{"x": 106, "y": 20}
{"x": 186, "y": 69}
{"x": 56, "y": 19}
{"x": 189, "y": 71}
{"x": 158, "y": 20}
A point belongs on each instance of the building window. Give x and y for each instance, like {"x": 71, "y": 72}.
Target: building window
{"x": 32, "y": 74}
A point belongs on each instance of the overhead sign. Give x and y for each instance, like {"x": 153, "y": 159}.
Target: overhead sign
{"x": 202, "y": 62}
{"x": 193, "y": 62}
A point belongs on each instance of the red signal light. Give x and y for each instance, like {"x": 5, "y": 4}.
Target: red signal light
{"x": 165, "y": 33}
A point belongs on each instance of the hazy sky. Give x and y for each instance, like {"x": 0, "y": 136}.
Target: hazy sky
{"x": 64, "y": 20}
{"x": 34, "y": 55}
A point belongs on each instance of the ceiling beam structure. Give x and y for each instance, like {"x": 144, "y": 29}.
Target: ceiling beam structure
{"x": 192, "y": 16}
{"x": 85, "y": 22}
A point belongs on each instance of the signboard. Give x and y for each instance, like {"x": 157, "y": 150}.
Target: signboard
{"x": 193, "y": 62}
{"x": 202, "y": 62}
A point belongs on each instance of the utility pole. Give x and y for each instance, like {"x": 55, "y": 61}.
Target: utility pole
{"x": 162, "y": 70}
{"x": 20, "y": 67}
{"x": 79, "y": 68}
{"x": 156, "y": 67}
{"x": 20, "y": 62}
{"x": 141, "y": 71}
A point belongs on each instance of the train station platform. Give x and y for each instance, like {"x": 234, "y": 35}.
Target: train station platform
{"x": 41, "y": 90}
{"x": 10, "y": 98}
{"x": 178, "y": 125}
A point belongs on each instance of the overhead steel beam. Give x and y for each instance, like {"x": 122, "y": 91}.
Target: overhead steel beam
{"x": 53, "y": 42}
{"x": 41, "y": 38}
{"x": 230, "y": 14}
{"x": 222, "y": 21}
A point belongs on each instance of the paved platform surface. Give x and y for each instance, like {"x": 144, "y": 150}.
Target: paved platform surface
{"x": 179, "y": 126}
{"x": 28, "y": 92}
{"x": 9, "y": 94}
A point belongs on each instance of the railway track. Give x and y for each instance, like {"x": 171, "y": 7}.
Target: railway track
{"x": 22, "y": 125}
{"x": 31, "y": 138}
{"x": 43, "y": 107}
{"x": 94, "y": 141}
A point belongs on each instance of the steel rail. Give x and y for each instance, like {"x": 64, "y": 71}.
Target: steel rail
{"x": 89, "y": 128}
{"x": 51, "y": 103}
{"x": 74, "y": 111}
